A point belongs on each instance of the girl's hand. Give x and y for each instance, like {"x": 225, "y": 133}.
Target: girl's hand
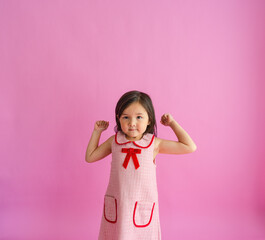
{"x": 167, "y": 119}
{"x": 101, "y": 126}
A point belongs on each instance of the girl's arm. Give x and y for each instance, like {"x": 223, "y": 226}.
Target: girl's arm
{"x": 184, "y": 144}
{"x": 95, "y": 152}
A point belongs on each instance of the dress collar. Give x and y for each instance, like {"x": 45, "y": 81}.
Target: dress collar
{"x": 144, "y": 142}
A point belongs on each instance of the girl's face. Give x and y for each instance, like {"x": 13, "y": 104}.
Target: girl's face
{"x": 134, "y": 121}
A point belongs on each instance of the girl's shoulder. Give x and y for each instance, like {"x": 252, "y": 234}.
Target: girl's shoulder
{"x": 157, "y": 142}
{"x": 110, "y": 140}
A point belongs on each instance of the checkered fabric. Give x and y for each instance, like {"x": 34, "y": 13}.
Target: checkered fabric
{"x": 130, "y": 210}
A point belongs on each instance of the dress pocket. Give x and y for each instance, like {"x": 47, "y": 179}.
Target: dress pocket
{"x": 143, "y": 213}
{"x": 110, "y": 209}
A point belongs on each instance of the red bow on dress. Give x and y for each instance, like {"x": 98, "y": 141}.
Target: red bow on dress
{"x": 131, "y": 152}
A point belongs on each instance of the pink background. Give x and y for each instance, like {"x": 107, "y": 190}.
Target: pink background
{"x": 64, "y": 65}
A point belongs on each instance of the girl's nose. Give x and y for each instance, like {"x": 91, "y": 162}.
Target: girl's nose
{"x": 132, "y": 122}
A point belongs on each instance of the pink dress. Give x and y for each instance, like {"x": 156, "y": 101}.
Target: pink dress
{"x": 131, "y": 201}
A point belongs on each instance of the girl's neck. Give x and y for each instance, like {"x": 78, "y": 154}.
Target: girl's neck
{"x": 133, "y": 139}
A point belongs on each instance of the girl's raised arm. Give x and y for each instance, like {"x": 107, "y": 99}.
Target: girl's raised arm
{"x": 95, "y": 152}
{"x": 184, "y": 144}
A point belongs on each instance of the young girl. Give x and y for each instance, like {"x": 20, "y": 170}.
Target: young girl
{"x": 131, "y": 201}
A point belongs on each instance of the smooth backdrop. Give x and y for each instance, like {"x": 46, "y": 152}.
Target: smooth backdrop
{"x": 64, "y": 65}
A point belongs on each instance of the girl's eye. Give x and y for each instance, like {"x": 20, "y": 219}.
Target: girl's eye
{"x": 139, "y": 117}
{"x": 125, "y": 117}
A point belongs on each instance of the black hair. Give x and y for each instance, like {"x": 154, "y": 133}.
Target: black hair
{"x": 144, "y": 99}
